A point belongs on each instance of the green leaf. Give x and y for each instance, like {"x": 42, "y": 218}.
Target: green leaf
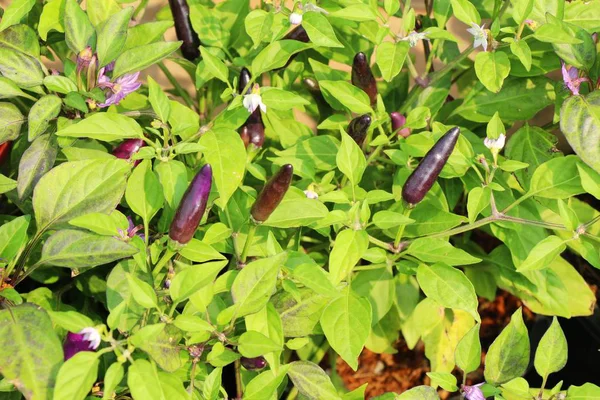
{"x": 583, "y": 14}
{"x": 580, "y": 123}
{"x": 438, "y": 250}
{"x": 78, "y": 29}
{"x": 112, "y": 35}
{"x": 265, "y": 385}
{"x": 555, "y": 33}
{"x": 45, "y": 109}
{"x": 258, "y": 26}
{"x": 102, "y": 224}
{"x": 356, "y": 12}
{"x": 556, "y": 179}
{"x": 319, "y": 30}
{"x": 296, "y": 211}
{"x": 77, "y": 188}
{"x": 143, "y": 381}
{"x": 6, "y": 184}
{"x": 13, "y": 235}
{"x": 491, "y": 69}
{"x": 59, "y": 84}
{"x": 112, "y": 378}
{"x": 79, "y": 249}
{"x": 347, "y": 94}
{"x": 312, "y": 381}
{"x": 35, "y": 162}
{"x": 590, "y": 180}
{"x": 159, "y": 101}
{"x": 200, "y": 252}
{"x": 215, "y": 66}
{"x": 349, "y": 247}
{"x": 253, "y": 344}
{"x": 551, "y": 353}
{"x": 212, "y": 384}
{"x": 279, "y": 99}
{"x": 144, "y": 193}
{"x": 100, "y": 10}
{"x": 419, "y": 393}
{"x": 346, "y": 322}
{"x": 14, "y": 12}
{"x": 521, "y": 49}
{"x": 466, "y": 12}
{"x": 141, "y": 57}
{"x": 390, "y": 58}
{"x": 77, "y": 376}
{"x": 52, "y": 18}
{"x": 508, "y": 355}
{"x": 255, "y": 283}
{"x": 160, "y": 341}
{"x": 584, "y": 392}
{"x": 193, "y": 278}
{"x": 276, "y": 55}
{"x": 225, "y": 150}
{"x": 445, "y": 380}
{"x": 11, "y": 120}
{"x": 142, "y": 292}
{"x": 478, "y": 200}
{"x": 350, "y": 159}
{"x": 107, "y": 127}
{"x": 147, "y": 33}
{"x": 581, "y": 55}
{"x": 468, "y": 351}
{"x": 26, "y": 333}
{"x": 543, "y": 254}
{"x": 23, "y": 69}
{"x": 449, "y": 287}
{"x": 9, "y": 89}
{"x": 390, "y": 219}
{"x": 521, "y": 10}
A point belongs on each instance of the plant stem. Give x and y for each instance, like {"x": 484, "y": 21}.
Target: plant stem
{"x": 163, "y": 261}
{"x": 180, "y": 90}
{"x": 238, "y": 380}
{"x": 379, "y": 243}
{"x": 249, "y": 238}
{"x": 401, "y": 228}
{"x": 592, "y": 222}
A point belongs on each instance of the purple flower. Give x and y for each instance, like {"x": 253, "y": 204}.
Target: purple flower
{"x": 120, "y": 88}
{"x": 84, "y": 58}
{"x": 88, "y": 339}
{"x": 571, "y": 78}
{"x": 473, "y": 392}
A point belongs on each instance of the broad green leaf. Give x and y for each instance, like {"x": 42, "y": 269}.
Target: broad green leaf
{"x": 346, "y": 322}
{"x": 21, "y": 68}
{"x": 221, "y": 356}
{"x": 590, "y": 180}
{"x": 466, "y": 12}
{"x": 112, "y": 35}
{"x": 13, "y": 235}
{"x": 556, "y": 179}
{"x": 508, "y": 356}
{"x": 299, "y": 316}
{"x": 160, "y": 341}
{"x": 26, "y": 333}
{"x": 279, "y": 99}
{"x": 143, "y": 381}
{"x": 253, "y": 344}
{"x": 377, "y": 286}
{"x": 319, "y": 30}
{"x": 193, "y": 278}
{"x": 419, "y": 393}
{"x": 255, "y": 283}
{"x": 445, "y": 380}
{"x": 418, "y": 118}
{"x": 543, "y": 254}
{"x": 113, "y": 376}
{"x": 77, "y": 188}
{"x": 212, "y": 384}
{"x": 79, "y": 249}
{"x": 45, "y": 109}
{"x": 102, "y": 224}
{"x": 159, "y": 101}
{"x": 192, "y": 323}
{"x": 555, "y": 33}
{"x": 77, "y": 376}
{"x": 147, "y": 33}
{"x": 79, "y": 31}
{"x": 312, "y": 381}
{"x": 580, "y": 123}
{"x": 439, "y": 250}
{"x": 477, "y": 201}
{"x": 59, "y": 84}
{"x": 100, "y": 10}
{"x": 521, "y": 10}
{"x": 468, "y": 351}
{"x": 144, "y": 193}
{"x": 104, "y": 126}
{"x": 200, "y": 252}
{"x": 583, "y": 14}
{"x": 492, "y": 68}
{"x": 390, "y": 58}
{"x": 215, "y": 65}
{"x": 11, "y": 120}
{"x": 551, "y": 353}
{"x": 296, "y": 211}
{"x": 350, "y": 159}
{"x": 9, "y": 89}
{"x": 264, "y": 385}
{"x": 390, "y": 219}
{"x": 357, "y": 12}
{"x": 314, "y": 277}
{"x": 348, "y": 95}
{"x": 52, "y": 18}
{"x": 349, "y": 247}
{"x": 584, "y": 392}
{"x": 142, "y": 292}
{"x": 138, "y": 58}
{"x": 521, "y": 49}
{"x": 225, "y": 149}
{"x": 16, "y": 10}
{"x": 449, "y": 287}
{"x": 37, "y": 160}
{"x": 6, "y": 184}
{"x": 276, "y": 55}
{"x": 210, "y": 27}
{"x": 258, "y": 26}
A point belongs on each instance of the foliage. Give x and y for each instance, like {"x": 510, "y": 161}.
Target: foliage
{"x": 337, "y": 262}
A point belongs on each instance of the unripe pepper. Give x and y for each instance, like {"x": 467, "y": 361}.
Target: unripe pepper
{"x": 398, "y": 121}
{"x": 128, "y": 148}
{"x": 272, "y": 194}
{"x": 184, "y": 30}
{"x": 192, "y": 207}
{"x": 363, "y": 78}
{"x": 245, "y": 77}
{"x": 358, "y": 127}
{"x": 253, "y": 364}
{"x": 423, "y": 177}
{"x": 4, "y": 151}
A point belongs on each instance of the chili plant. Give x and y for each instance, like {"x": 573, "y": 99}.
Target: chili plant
{"x": 301, "y": 188}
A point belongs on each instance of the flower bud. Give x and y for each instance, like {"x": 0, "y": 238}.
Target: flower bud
{"x": 88, "y": 339}
{"x": 84, "y": 58}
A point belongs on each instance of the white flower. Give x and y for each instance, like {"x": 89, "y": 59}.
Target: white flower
{"x": 480, "y": 36}
{"x": 414, "y": 37}
{"x": 91, "y": 335}
{"x": 253, "y": 100}
{"x": 295, "y": 18}
{"x": 495, "y": 144}
{"x": 311, "y": 194}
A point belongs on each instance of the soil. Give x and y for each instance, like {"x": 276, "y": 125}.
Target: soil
{"x": 407, "y": 368}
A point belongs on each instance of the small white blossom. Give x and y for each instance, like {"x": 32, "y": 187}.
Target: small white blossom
{"x": 480, "y": 36}
{"x": 414, "y": 37}
{"x": 295, "y": 18}
{"x": 253, "y": 100}
{"x": 311, "y": 194}
{"x": 91, "y": 335}
{"x": 495, "y": 144}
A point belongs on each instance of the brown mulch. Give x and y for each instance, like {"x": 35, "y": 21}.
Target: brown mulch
{"x": 407, "y": 368}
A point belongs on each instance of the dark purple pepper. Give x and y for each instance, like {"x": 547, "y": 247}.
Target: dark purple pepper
{"x": 398, "y": 121}
{"x": 192, "y": 207}
{"x": 253, "y": 130}
{"x": 128, "y": 148}
{"x": 272, "y": 194}
{"x": 363, "y": 78}
{"x": 253, "y": 364}
{"x": 298, "y": 33}
{"x": 183, "y": 28}
{"x": 358, "y": 127}
{"x": 423, "y": 177}
{"x": 4, "y": 151}
{"x": 245, "y": 77}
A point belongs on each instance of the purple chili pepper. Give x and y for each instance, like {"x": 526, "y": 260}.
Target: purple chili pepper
{"x": 128, "y": 148}
{"x": 253, "y": 364}
{"x": 398, "y": 121}
{"x": 192, "y": 207}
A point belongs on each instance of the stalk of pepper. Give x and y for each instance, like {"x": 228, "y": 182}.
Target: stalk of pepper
{"x": 423, "y": 177}
{"x": 253, "y": 130}
{"x": 398, "y": 121}
{"x": 358, "y": 127}
{"x": 128, "y": 148}
{"x": 245, "y": 77}
{"x": 363, "y": 78}
{"x": 192, "y": 207}
{"x": 4, "y": 151}
{"x": 183, "y": 28}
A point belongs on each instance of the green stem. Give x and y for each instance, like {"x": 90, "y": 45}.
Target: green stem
{"x": 238, "y": 379}
{"x": 178, "y": 88}
{"x": 249, "y": 238}
{"x": 400, "y": 232}
{"x": 379, "y": 243}
{"x": 163, "y": 261}
{"x": 592, "y": 222}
